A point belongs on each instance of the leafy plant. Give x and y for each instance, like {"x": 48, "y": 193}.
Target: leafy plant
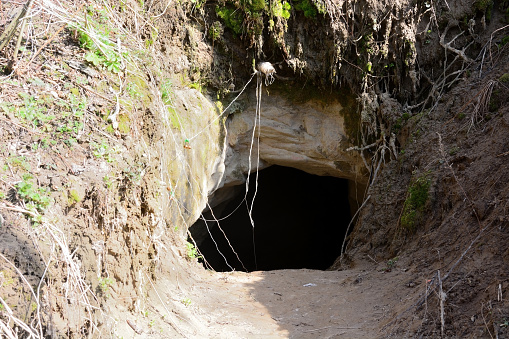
{"x": 35, "y": 198}
{"x": 192, "y": 252}
{"x": 281, "y": 9}
{"x": 391, "y": 263}
{"x": 20, "y": 162}
{"x": 105, "y": 284}
{"x": 111, "y": 61}
{"x": 232, "y": 18}
{"x": 102, "y": 150}
{"x": 108, "y": 181}
{"x": 33, "y": 111}
{"x": 309, "y": 7}
{"x": 186, "y": 301}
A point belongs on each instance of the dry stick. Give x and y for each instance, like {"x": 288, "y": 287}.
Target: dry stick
{"x": 17, "y": 321}
{"x": 484, "y": 320}
{"x": 442, "y": 299}
{"x": 102, "y": 96}
{"x": 19, "y": 209}
{"x": 18, "y": 42}
{"x": 491, "y": 38}
{"x": 11, "y": 28}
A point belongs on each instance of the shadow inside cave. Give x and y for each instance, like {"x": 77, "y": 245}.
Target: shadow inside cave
{"x": 300, "y": 221}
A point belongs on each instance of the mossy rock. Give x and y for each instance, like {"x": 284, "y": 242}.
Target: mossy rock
{"x": 418, "y": 196}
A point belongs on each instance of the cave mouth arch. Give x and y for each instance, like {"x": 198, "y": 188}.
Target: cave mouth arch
{"x": 300, "y": 222}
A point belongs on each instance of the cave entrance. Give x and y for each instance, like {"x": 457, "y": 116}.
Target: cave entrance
{"x": 300, "y": 222}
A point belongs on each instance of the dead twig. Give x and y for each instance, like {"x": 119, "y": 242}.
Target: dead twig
{"x": 448, "y": 46}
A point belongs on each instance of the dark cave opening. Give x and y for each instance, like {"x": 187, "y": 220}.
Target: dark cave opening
{"x": 300, "y": 222}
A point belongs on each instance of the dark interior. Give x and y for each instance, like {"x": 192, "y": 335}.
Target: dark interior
{"x": 300, "y": 222}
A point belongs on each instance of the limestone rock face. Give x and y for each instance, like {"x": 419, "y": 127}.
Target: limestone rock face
{"x": 309, "y": 136}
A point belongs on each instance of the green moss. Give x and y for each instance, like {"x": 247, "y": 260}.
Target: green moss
{"x": 483, "y": 5}
{"x": 418, "y": 195}
{"x": 254, "y": 5}
{"x": 139, "y": 89}
{"x": 197, "y": 86}
{"x": 74, "y": 197}
{"x": 109, "y": 129}
{"x": 504, "y": 78}
{"x": 75, "y": 92}
{"x": 174, "y": 118}
{"x": 124, "y": 123}
{"x": 216, "y": 30}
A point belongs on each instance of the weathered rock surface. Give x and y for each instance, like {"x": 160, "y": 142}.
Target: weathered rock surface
{"x": 311, "y": 137}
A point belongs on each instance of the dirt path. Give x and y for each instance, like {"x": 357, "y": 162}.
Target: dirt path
{"x": 301, "y": 303}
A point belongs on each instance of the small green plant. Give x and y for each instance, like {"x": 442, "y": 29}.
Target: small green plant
{"x": 418, "y": 195}
{"x": 102, "y": 150}
{"x": 391, "y": 263}
{"x": 232, "y": 18}
{"x": 6, "y": 279}
{"x": 35, "y": 198}
{"x": 216, "y": 30}
{"x": 105, "y": 284}
{"x": 110, "y": 61}
{"x": 108, "y": 181}
{"x": 186, "y": 302}
{"x": 33, "y": 111}
{"x": 20, "y": 162}
{"x": 152, "y": 323}
{"x": 192, "y": 252}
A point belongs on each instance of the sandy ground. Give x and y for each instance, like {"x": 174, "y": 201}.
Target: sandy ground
{"x": 353, "y": 303}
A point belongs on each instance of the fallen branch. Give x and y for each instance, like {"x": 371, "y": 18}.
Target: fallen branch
{"x": 448, "y": 46}
{"x": 11, "y": 28}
